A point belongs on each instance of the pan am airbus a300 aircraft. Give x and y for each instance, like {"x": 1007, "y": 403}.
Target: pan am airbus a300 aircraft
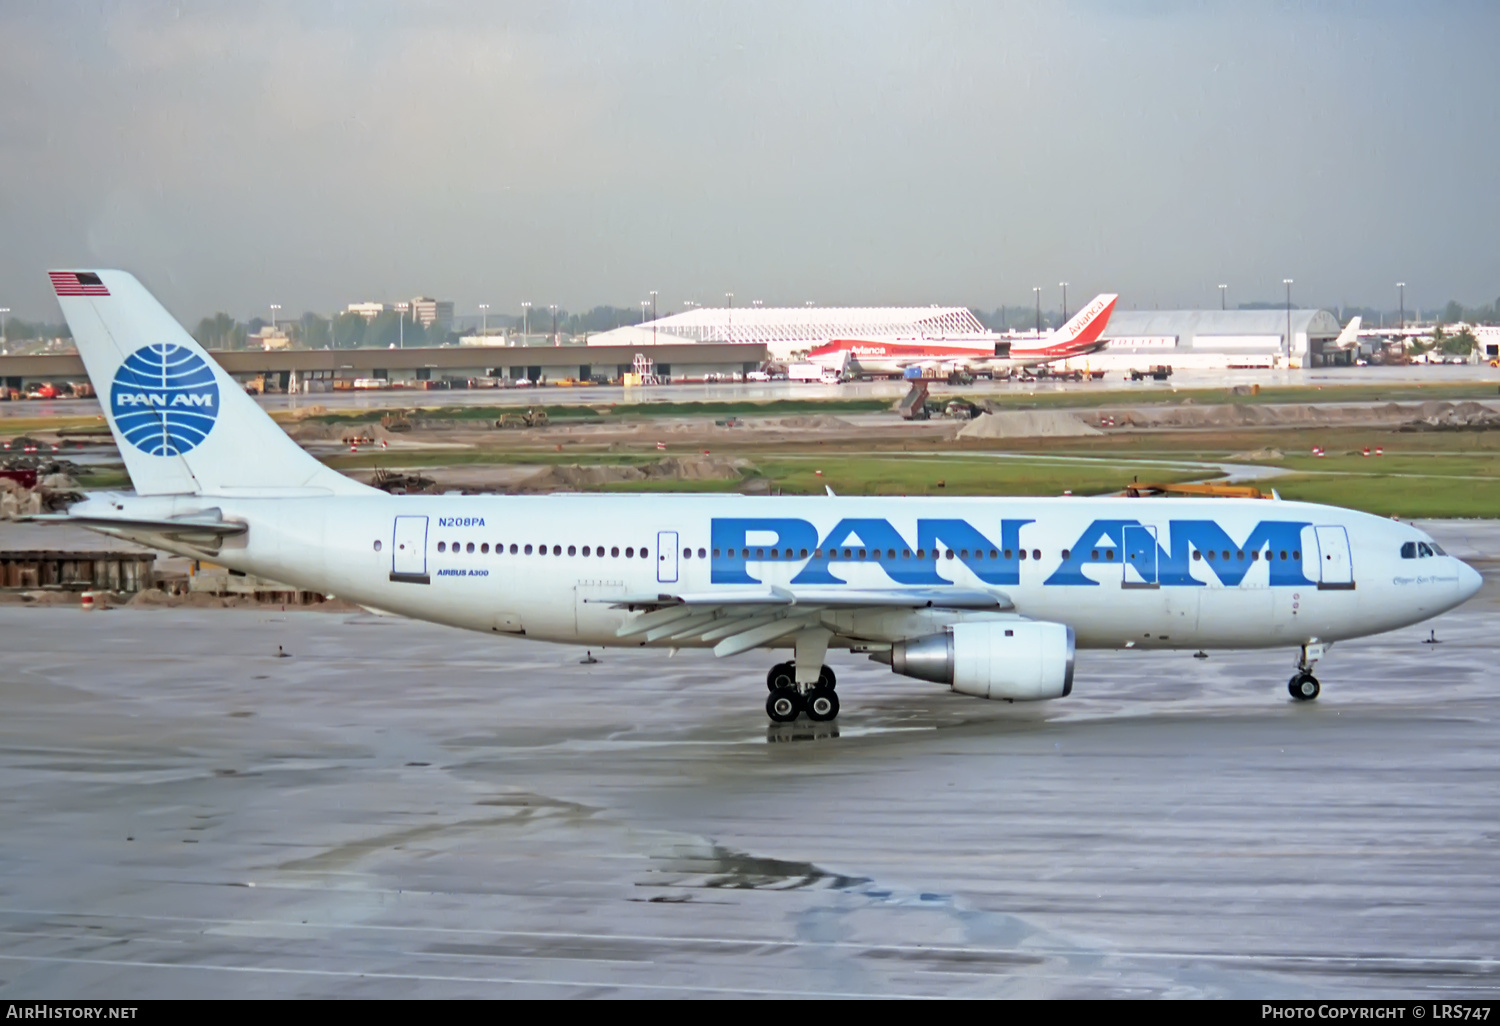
{"x": 987, "y": 595}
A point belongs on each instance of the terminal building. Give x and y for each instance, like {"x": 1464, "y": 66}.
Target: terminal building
{"x": 423, "y": 309}
{"x": 328, "y": 370}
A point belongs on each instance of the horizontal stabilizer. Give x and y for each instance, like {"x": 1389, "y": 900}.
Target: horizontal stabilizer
{"x": 172, "y": 526}
{"x": 197, "y": 534}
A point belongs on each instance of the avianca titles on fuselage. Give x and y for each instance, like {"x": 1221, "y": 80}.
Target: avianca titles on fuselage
{"x": 988, "y": 353}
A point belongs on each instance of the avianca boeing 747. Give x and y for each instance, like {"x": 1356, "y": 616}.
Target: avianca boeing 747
{"x": 989, "y": 596}
{"x": 988, "y": 354}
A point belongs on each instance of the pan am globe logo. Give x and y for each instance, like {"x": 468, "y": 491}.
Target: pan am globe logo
{"x": 164, "y": 399}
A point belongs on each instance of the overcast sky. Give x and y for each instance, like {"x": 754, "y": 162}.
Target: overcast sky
{"x": 861, "y": 152}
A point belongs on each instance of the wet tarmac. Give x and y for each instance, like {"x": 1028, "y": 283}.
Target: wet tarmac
{"x": 392, "y": 809}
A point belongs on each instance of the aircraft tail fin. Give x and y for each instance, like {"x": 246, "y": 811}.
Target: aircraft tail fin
{"x": 183, "y": 425}
{"x": 1084, "y": 329}
{"x": 1349, "y": 337}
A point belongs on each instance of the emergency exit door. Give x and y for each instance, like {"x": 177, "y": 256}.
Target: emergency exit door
{"x": 666, "y": 557}
{"x": 1335, "y": 566}
{"x": 409, "y": 551}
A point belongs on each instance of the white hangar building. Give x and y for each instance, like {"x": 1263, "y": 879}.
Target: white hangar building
{"x": 792, "y": 330}
{"x": 1217, "y": 339}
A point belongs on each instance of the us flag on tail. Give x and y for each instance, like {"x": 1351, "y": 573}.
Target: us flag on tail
{"x": 77, "y": 283}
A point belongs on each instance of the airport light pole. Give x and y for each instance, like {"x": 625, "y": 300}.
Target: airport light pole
{"x": 645, "y": 303}
{"x": 525, "y": 321}
{"x": 484, "y": 319}
{"x": 553, "y": 308}
{"x": 274, "y": 308}
{"x": 1288, "y": 283}
{"x": 1037, "y": 291}
{"x": 401, "y": 309}
{"x": 653, "y": 317}
{"x": 1064, "y": 286}
{"x": 3, "y": 311}
{"x": 1223, "y": 297}
{"x": 729, "y": 305}
{"x": 1401, "y": 293}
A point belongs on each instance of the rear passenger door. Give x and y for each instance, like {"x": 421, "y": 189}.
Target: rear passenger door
{"x": 409, "y": 551}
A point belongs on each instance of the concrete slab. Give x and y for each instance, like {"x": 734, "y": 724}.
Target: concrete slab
{"x": 400, "y": 810}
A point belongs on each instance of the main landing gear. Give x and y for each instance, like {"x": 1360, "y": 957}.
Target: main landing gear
{"x": 1304, "y": 686}
{"x": 788, "y": 699}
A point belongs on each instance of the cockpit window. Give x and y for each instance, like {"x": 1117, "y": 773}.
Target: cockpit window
{"x": 1408, "y": 550}
{"x": 1438, "y": 549}
{"x": 1423, "y": 550}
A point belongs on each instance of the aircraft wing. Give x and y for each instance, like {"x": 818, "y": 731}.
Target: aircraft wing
{"x": 739, "y": 621}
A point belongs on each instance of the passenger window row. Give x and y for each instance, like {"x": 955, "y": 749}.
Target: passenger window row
{"x": 1239, "y": 555}
{"x": 597, "y": 551}
{"x": 1409, "y": 550}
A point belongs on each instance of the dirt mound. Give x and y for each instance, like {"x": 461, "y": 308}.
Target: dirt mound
{"x": 1433, "y": 414}
{"x": 672, "y": 468}
{"x": 697, "y": 468}
{"x": 1258, "y": 455}
{"x": 312, "y": 431}
{"x": 812, "y": 422}
{"x": 1027, "y": 424}
{"x": 1467, "y": 416}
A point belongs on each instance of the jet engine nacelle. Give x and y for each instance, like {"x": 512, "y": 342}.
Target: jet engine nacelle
{"x": 1022, "y": 660}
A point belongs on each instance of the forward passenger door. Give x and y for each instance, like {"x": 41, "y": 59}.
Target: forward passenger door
{"x": 1335, "y": 566}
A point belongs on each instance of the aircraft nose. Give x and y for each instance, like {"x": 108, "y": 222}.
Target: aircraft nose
{"x": 1469, "y": 581}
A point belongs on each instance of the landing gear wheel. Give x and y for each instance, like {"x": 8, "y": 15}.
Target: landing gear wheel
{"x": 822, "y": 704}
{"x": 1304, "y": 687}
{"x": 782, "y": 675}
{"x": 826, "y": 679}
{"x": 784, "y": 705}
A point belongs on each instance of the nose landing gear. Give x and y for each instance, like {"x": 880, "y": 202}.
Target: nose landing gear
{"x": 1304, "y": 686}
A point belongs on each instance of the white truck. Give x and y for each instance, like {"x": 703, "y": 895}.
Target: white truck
{"x": 804, "y": 372}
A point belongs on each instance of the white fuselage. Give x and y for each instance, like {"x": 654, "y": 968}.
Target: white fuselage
{"x": 1148, "y": 573}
